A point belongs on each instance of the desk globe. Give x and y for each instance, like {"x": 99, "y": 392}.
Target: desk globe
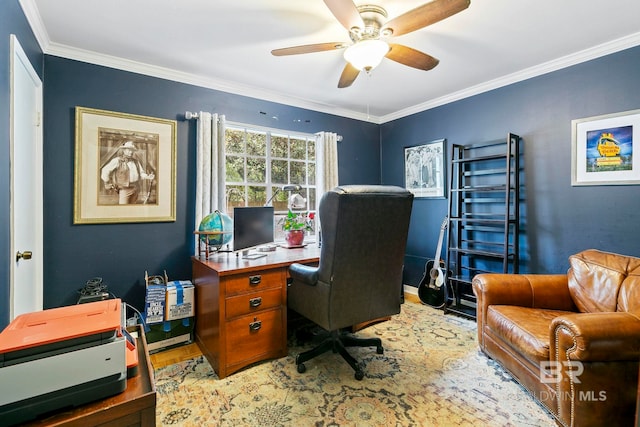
{"x": 216, "y": 229}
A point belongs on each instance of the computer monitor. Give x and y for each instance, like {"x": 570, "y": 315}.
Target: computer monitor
{"x": 252, "y": 226}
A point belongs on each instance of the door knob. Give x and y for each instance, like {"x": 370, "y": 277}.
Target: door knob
{"x": 23, "y": 255}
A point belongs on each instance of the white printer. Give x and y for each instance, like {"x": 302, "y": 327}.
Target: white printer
{"x": 63, "y": 357}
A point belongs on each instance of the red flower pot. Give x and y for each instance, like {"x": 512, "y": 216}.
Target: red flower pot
{"x": 294, "y": 237}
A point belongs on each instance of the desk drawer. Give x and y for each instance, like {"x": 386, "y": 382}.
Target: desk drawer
{"x": 253, "y": 335}
{"x": 248, "y": 303}
{"x": 252, "y": 282}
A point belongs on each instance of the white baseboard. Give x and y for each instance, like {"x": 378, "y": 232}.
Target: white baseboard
{"x": 411, "y": 290}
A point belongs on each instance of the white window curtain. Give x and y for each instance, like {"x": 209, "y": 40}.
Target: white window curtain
{"x": 326, "y": 163}
{"x": 210, "y": 169}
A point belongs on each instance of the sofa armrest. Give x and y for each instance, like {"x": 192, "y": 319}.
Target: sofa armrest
{"x": 595, "y": 354}
{"x": 596, "y": 337}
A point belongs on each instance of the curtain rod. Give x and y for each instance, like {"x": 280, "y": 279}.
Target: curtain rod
{"x": 188, "y": 115}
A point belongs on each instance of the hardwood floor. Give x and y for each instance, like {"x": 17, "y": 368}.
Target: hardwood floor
{"x": 189, "y": 351}
{"x": 175, "y": 355}
{"x": 412, "y": 298}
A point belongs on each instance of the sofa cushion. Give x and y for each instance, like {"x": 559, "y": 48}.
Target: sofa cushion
{"x": 629, "y": 295}
{"x": 523, "y": 328}
{"x": 595, "y": 278}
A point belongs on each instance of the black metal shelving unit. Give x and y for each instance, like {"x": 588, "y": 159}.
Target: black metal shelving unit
{"x": 484, "y": 216}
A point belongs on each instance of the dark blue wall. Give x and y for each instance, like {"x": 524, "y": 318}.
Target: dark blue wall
{"x": 120, "y": 253}
{"x": 12, "y": 21}
{"x": 558, "y": 219}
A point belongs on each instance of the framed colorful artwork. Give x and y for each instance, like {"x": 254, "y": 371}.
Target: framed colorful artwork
{"x": 604, "y": 149}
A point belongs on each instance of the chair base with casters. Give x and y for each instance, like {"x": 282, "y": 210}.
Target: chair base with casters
{"x": 338, "y": 341}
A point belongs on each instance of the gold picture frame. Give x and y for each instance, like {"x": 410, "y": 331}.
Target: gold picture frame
{"x": 125, "y": 168}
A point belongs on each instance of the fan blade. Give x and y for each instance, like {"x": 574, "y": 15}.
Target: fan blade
{"x": 427, "y": 14}
{"x": 346, "y": 13}
{"x": 411, "y": 57}
{"x": 308, "y": 48}
{"x": 348, "y": 76}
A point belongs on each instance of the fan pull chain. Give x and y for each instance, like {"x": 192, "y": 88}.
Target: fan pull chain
{"x": 370, "y": 94}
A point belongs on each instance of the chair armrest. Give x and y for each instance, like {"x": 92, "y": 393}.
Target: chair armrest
{"x": 304, "y": 273}
{"x": 596, "y": 337}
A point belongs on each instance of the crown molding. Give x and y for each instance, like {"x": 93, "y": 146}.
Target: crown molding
{"x": 32, "y": 14}
{"x": 528, "y": 73}
{"x": 55, "y": 49}
{"x": 69, "y": 52}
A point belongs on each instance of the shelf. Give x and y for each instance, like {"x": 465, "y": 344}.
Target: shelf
{"x": 484, "y": 217}
{"x": 484, "y": 221}
{"x": 479, "y": 158}
{"x": 462, "y": 310}
{"x": 480, "y": 188}
{"x": 479, "y": 172}
{"x": 461, "y": 279}
{"x": 498, "y": 255}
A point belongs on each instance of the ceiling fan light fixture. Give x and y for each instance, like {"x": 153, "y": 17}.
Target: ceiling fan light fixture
{"x": 366, "y": 54}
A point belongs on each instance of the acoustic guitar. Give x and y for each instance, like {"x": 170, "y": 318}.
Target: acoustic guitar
{"x": 431, "y": 290}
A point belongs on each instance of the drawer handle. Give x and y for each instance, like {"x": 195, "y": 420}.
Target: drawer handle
{"x": 255, "y": 325}
{"x": 255, "y": 280}
{"x": 255, "y": 302}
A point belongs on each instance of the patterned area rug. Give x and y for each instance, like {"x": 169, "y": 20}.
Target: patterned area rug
{"x": 431, "y": 374}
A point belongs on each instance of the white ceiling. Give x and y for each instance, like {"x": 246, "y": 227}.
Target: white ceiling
{"x": 226, "y": 45}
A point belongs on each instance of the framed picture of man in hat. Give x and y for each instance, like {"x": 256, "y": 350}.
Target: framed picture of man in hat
{"x": 124, "y": 168}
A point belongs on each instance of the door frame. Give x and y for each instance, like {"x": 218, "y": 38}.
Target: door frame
{"x": 18, "y": 57}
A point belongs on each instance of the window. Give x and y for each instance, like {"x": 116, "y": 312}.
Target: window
{"x": 260, "y": 161}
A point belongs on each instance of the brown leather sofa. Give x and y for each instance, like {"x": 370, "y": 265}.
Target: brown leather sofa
{"x": 573, "y": 341}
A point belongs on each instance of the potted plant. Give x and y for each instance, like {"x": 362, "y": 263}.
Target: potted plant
{"x": 295, "y": 225}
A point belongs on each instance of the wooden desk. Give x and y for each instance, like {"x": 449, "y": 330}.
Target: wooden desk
{"x": 241, "y": 306}
{"x": 136, "y": 406}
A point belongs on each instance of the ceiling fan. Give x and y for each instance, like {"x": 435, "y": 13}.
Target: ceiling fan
{"x": 368, "y": 28}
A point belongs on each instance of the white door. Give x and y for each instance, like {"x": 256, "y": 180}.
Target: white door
{"x": 26, "y": 185}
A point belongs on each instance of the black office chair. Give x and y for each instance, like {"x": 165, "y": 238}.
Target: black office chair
{"x": 359, "y": 276}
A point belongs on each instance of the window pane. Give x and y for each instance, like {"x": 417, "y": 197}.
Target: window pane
{"x": 305, "y": 194}
{"x": 257, "y": 196}
{"x": 279, "y": 233}
{"x": 279, "y": 146}
{"x": 298, "y": 149}
{"x": 298, "y": 173}
{"x": 312, "y": 174}
{"x": 235, "y": 196}
{"x": 311, "y": 199}
{"x": 256, "y": 169}
{"x": 235, "y": 169}
{"x": 279, "y": 171}
{"x": 280, "y": 203}
{"x": 234, "y": 141}
{"x": 256, "y": 144}
{"x": 311, "y": 150}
